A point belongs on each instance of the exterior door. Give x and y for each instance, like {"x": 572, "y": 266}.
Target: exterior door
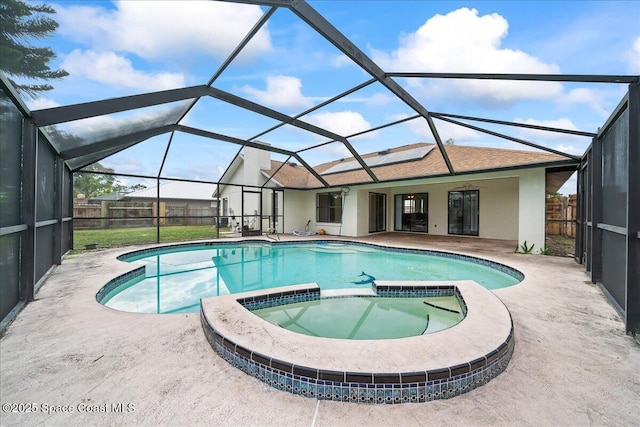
{"x": 377, "y": 212}
{"x": 412, "y": 212}
{"x": 251, "y": 212}
{"x": 464, "y": 207}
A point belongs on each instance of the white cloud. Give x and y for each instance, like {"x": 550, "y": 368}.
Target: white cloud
{"x": 567, "y": 143}
{"x": 281, "y": 91}
{"x": 446, "y": 130}
{"x": 375, "y": 100}
{"x": 128, "y": 165}
{"x": 533, "y": 134}
{"x": 41, "y": 103}
{"x": 561, "y": 123}
{"x": 117, "y": 71}
{"x": 326, "y": 153}
{"x": 633, "y": 56}
{"x": 162, "y": 29}
{"x": 342, "y": 123}
{"x": 340, "y": 61}
{"x": 591, "y": 98}
{"x": 379, "y": 99}
{"x": 570, "y": 149}
{"x": 463, "y": 41}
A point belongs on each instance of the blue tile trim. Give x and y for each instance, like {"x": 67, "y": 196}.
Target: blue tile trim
{"x": 133, "y": 277}
{"x": 269, "y": 300}
{"x": 365, "y": 387}
{"x": 280, "y": 298}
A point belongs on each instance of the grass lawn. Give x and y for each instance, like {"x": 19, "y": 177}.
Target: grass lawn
{"x": 132, "y": 236}
{"x": 561, "y": 245}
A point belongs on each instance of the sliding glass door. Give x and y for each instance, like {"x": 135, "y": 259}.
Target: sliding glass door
{"x": 412, "y": 212}
{"x": 377, "y": 212}
{"x": 464, "y": 207}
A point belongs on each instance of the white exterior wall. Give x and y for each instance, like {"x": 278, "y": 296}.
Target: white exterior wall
{"x": 255, "y": 161}
{"x": 362, "y": 214}
{"x": 532, "y": 208}
{"x": 249, "y": 173}
{"x": 233, "y": 194}
{"x": 512, "y": 205}
{"x": 498, "y": 213}
{"x": 299, "y": 207}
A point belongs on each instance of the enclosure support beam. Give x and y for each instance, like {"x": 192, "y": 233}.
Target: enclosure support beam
{"x": 51, "y": 116}
{"x": 69, "y": 184}
{"x": 633, "y": 214}
{"x": 510, "y": 138}
{"x": 220, "y": 137}
{"x": 268, "y": 112}
{"x": 158, "y": 213}
{"x": 318, "y": 106}
{"x": 217, "y": 211}
{"x": 516, "y": 124}
{"x": 596, "y": 210}
{"x": 579, "y": 78}
{"x": 113, "y": 144}
{"x": 247, "y": 38}
{"x": 57, "y": 210}
{"x": 335, "y": 37}
{"x": 29, "y": 188}
{"x": 578, "y": 253}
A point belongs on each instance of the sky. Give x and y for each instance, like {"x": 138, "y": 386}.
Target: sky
{"x": 120, "y": 48}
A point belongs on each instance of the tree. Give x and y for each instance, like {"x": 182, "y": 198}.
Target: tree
{"x": 135, "y": 187}
{"x": 95, "y": 184}
{"x": 450, "y": 141}
{"x": 20, "y": 22}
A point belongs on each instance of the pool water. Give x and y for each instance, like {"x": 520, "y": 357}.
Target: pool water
{"x": 177, "y": 277}
{"x": 366, "y": 317}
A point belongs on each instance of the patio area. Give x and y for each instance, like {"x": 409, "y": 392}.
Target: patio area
{"x": 90, "y": 365}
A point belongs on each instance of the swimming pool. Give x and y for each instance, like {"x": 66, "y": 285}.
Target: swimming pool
{"x": 173, "y": 279}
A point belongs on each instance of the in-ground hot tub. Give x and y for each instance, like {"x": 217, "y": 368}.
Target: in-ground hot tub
{"x": 420, "y": 368}
{"x": 362, "y": 314}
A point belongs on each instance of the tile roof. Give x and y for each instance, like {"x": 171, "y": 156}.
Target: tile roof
{"x": 463, "y": 159}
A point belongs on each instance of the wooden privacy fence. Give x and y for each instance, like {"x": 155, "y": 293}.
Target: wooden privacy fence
{"x": 188, "y": 215}
{"x": 111, "y": 214}
{"x": 561, "y": 216}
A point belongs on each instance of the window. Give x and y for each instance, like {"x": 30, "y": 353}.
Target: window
{"x": 329, "y": 207}
{"x": 464, "y": 212}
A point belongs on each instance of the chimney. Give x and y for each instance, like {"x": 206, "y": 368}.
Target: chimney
{"x": 254, "y": 161}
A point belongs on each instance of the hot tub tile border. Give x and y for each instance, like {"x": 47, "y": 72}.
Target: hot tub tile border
{"x": 360, "y": 387}
{"x": 268, "y": 300}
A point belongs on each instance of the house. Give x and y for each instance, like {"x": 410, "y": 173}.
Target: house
{"x": 196, "y": 194}
{"x": 495, "y": 193}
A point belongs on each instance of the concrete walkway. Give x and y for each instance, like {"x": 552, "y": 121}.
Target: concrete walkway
{"x": 91, "y": 365}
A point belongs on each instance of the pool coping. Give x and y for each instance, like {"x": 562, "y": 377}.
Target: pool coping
{"x": 422, "y": 368}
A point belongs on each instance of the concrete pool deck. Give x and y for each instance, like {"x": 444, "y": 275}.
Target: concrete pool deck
{"x": 572, "y": 365}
